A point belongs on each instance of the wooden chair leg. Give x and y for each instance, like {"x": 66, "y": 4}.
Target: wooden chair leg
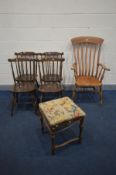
{"x": 74, "y": 94}
{"x": 101, "y": 94}
{"x": 14, "y": 100}
{"x": 81, "y": 130}
{"x": 41, "y": 97}
{"x": 53, "y": 143}
{"x": 61, "y": 94}
{"x": 34, "y": 100}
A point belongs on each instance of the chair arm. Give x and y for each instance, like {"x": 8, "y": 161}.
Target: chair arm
{"x": 74, "y": 66}
{"x": 103, "y": 67}
{"x": 101, "y": 70}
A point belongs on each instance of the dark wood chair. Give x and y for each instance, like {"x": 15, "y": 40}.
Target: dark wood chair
{"x": 28, "y": 55}
{"x": 88, "y": 71}
{"x": 24, "y": 75}
{"x": 50, "y": 74}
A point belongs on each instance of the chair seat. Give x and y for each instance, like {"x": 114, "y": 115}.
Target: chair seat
{"x": 87, "y": 81}
{"x": 50, "y": 87}
{"x": 26, "y": 77}
{"x": 23, "y": 87}
{"x": 51, "y": 78}
{"x": 61, "y": 110}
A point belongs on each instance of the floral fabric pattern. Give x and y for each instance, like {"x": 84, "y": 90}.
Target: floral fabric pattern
{"x": 60, "y": 110}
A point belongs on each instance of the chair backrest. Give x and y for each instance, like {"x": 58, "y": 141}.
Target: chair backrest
{"x": 31, "y": 55}
{"x": 23, "y": 69}
{"x": 50, "y": 69}
{"x": 86, "y": 54}
{"x": 52, "y": 54}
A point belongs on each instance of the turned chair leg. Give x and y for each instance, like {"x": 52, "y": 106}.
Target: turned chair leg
{"x": 41, "y": 97}
{"x": 14, "y": 101}
{"x": 61, "y": 94}
{"x": 42, "y": 125}
{"x": 35, "y": 100}
{"x": 74, "y": 94}
{"x": 101, "y": 95}
{"x": 81, "y": 130}
{"x": 53, "y": 143}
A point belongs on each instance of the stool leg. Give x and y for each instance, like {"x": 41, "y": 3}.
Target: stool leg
{"x": 81, "y": 130}
{"x": 52, "y": 143}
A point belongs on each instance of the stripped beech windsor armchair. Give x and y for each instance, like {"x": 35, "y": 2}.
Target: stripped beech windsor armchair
{"x": 88, "y": 71}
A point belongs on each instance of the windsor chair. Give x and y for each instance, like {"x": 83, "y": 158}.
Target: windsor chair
{"x": 28, "y": 55}
{"x": 50, "y": 74}
{"x": 88, "y": 71}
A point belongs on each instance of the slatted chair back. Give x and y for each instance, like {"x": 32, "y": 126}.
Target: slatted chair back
{"x": 23, "y": 69}
{"x": 50, "y": 69}
{"x": 87, "y": 55}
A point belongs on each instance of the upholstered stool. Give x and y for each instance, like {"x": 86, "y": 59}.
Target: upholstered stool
{"x": 58, "y": 115}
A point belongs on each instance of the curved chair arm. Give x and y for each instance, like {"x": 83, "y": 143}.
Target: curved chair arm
{"x": 74, "y": 68}
{"x": 103, "y": 67}
{"x": 101, "y": 71}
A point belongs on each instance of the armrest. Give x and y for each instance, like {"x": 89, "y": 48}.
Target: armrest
{"x": 104, "y": 67}
{"x": 74, "y": 66}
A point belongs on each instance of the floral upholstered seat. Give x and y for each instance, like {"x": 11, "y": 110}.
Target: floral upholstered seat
{"x": 60, "y": 110}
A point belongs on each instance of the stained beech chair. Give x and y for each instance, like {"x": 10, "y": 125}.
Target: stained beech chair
{"x": 24, "y": 75}
{"x": 50, "y": 74}
{"x": 88, "y": 71}
{"x": 28, "y": 55}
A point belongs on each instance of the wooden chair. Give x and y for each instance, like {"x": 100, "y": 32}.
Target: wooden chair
{"x": 88, "y": 71}
{"x": 50, "y": 74}
{"x": 24, "y": 75}
{"x": 28, "y": 55}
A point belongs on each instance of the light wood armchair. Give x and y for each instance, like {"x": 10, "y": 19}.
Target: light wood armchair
{"x": 88, "y": 71}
